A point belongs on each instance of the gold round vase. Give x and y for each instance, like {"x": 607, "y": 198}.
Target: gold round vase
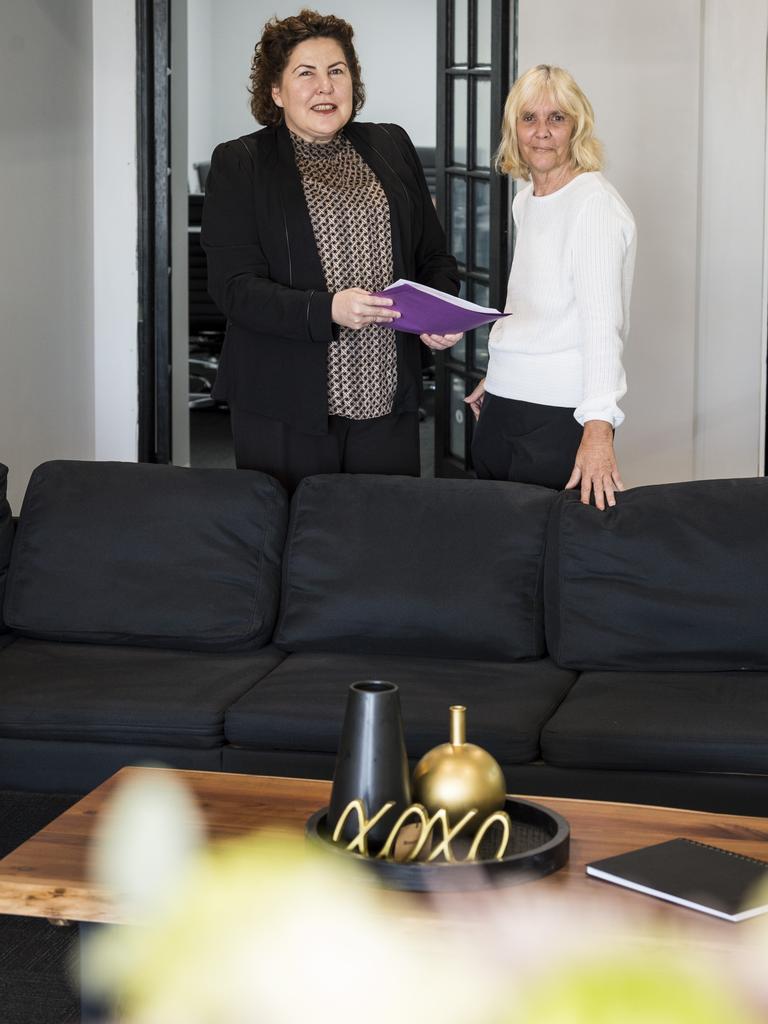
{"x": 459, "y": 776}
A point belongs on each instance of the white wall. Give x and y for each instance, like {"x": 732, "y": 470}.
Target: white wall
{"x": 68, "y": 281}
{"x": 395, "y": 41}
{"x": 678, "y": 88}
{"x": 115, "y": 227}
{"x": 46, "y": 224}
{"x": 730, "y": 369}
{"x": 199, "y": 85}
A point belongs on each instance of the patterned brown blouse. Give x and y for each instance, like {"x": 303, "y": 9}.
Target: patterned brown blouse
{"x": 350, "y": 220}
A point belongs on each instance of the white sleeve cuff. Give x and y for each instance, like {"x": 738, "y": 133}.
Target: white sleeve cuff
{"x": 602, "y": 407}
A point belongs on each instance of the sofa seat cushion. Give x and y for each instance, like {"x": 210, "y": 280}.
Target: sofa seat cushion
{"x": 118, "y": 553}
{"x": 6, "y": 541}
{"x": 127, "y": 695}
{"x": 300, "y": 705}
{"x": 701, "y": 722}
{"x": 673, "y": 579}
{"x": 428, "y": 568}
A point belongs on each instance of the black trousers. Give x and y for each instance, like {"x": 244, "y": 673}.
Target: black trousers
{"x": 525, "y": 442}
{"x": 387, "y": 444}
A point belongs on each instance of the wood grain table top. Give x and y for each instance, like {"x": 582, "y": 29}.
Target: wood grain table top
{"x": 47, "y": 876}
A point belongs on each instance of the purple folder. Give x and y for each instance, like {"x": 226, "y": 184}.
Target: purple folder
{"x": 425, "y": 310}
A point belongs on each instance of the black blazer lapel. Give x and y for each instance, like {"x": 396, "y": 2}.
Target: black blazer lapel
{"x": 305, "y": 268}
{"x": 374, "y": 152}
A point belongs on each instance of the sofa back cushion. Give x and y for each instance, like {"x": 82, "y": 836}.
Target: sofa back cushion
{"x": 6, "y": 539}
{"x": 430, "y": 568}
{"x": 149, "y": 555}
{"x": 674, "y": 578}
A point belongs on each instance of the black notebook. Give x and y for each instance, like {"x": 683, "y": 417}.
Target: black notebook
{"x": 694, "y": 875}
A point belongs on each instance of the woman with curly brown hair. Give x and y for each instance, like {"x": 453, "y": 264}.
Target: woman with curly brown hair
{"x": 303, "y": 222}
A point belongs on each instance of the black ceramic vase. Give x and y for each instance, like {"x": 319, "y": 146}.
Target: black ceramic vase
{"x": 371, "y": 764}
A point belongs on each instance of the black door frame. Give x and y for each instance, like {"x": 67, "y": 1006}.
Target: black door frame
{"x": 153, "y": 40}
{"x": 502, "y": 71}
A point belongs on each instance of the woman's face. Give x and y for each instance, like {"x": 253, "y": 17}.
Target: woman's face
{"x": 544, "y": 136}
{"x": 315, "y": 90}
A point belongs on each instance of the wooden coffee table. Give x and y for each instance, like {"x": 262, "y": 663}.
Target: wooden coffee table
{"x": 48, "y": 875}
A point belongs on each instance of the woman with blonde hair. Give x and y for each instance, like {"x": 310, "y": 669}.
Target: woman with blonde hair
{"x": 548, "y": 408}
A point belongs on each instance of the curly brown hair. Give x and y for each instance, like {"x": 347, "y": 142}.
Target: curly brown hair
{"x": 278, "y": 40}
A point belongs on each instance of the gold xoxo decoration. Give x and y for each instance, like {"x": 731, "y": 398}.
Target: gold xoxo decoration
{"x": 427, "y": 825}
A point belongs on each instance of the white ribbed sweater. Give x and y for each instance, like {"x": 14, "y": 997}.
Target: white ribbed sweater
{"x": 569, "y": 291}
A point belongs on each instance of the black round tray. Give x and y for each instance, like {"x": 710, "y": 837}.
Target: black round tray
{"x": 538, "y": 845}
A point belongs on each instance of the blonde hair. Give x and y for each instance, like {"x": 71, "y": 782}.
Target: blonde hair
{"x": 547, "y": 80}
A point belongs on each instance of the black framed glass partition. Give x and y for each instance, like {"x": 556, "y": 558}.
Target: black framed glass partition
{"x": 476, "y": 46}
{"x": 153, "y": 28}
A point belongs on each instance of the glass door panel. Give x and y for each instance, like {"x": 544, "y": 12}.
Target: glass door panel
{"x": 481, "y": 226}
{"x": 459, "y": 127}
{"x": 483, "y": 29}
{"x": 460, "y": 32}
{"x": 457, "y": 213}
{"x": 483, "y": 123}
{"x": 458, "y": 440}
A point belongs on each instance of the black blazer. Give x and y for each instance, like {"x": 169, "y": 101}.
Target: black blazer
{"x": 264, "y": 271}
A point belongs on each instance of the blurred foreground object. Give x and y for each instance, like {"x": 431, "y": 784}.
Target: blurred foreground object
{"x": 649, "y": 987}
{"x": 274, "y": 932}
{"x": 146, "y": 837}
{"x": 270, "y": 930}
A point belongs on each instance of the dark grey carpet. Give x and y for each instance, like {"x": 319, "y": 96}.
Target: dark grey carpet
{"x": 35, "y": 957}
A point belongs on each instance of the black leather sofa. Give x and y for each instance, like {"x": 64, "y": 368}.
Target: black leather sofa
{"x": 198, "y": 619}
